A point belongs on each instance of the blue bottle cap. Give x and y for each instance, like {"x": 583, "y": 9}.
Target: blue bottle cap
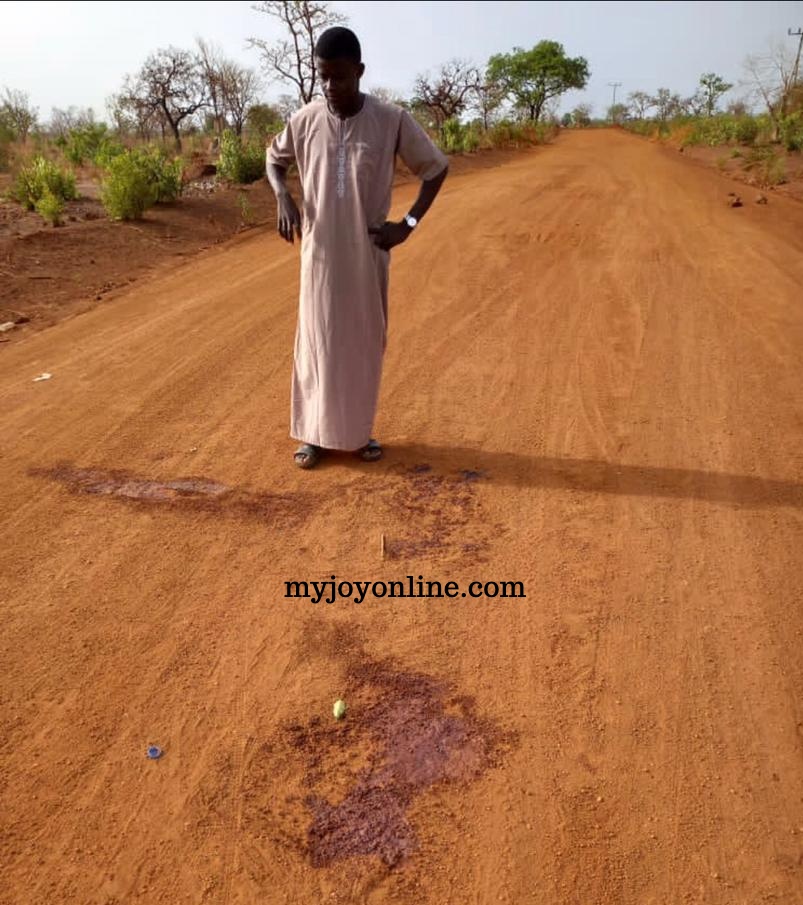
{"x": 154, "y": 752}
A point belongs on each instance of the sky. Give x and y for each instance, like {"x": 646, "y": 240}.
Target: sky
{"x": 78, "y": 53}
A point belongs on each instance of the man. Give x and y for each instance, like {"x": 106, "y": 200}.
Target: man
{"x": 345, "y": 146}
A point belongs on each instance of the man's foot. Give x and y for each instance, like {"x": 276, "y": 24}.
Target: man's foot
{"x": 307, "y": 455}
{"x": 371, "y": 452}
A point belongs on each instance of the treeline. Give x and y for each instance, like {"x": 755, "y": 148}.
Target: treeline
{"x": 180, "y": 99}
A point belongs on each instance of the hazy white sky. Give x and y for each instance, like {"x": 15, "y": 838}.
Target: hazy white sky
{"x": 65, "y": 53}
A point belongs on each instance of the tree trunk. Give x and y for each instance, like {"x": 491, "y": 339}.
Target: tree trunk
{"x": 176, "y": 135}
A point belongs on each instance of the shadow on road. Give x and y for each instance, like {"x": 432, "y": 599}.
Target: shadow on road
{"x": 599, "y": 476}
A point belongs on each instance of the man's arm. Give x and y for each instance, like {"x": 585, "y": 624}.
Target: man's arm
{"x": 288, "y": 216}
{"x": 390, "y": 234}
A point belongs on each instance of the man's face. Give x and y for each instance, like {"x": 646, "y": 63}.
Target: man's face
{"x": 340, "y": 80}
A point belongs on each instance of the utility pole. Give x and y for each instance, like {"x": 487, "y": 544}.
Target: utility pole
{"x": 614, "y": 85}
{"x": 795, "y": 34}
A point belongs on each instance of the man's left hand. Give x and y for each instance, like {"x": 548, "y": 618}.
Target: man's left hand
{"x": 389, "y": 234}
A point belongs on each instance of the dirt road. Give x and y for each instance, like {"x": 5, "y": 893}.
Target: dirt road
{"x": 592, "y": 386}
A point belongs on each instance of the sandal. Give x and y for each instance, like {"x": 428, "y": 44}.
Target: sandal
{"x": 307, "y": 455}
{"x": 371, "y": 452}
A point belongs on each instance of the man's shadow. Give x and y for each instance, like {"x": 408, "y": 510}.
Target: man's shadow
{"x": 596, "y": 476}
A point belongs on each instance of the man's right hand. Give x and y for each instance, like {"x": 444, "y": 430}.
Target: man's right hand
{"x": 289, "y": 218}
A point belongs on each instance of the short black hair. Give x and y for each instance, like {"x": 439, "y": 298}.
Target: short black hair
{"x": 338, "y": 43}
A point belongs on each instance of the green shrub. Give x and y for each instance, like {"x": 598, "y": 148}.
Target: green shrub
{"x": 768, "y": 165}
{"x": 127, "y": 191}
{"x": 6, "y": 138}
{"x": 106, "y": 154}
{"x": 451, "y": 138}
{"x": 542, "y": 132}
{"x": 506, "y": 134}
{"x": 163, "y": 172}
{"x": 246, "y": 210}
{"x": 137, "y": 179}
{"x": 712, "y": 131}
{"x": 51, "y": 208}
{"x": 85, "y": 142}
{"x": 457, "y": 138}
{"x": 239, "y": 162}
{"x": 471, "y": 139}
{"x": 746, "y": 130}
{"x": 791, "y": 132}
{"x": 41, "y": 177}
{"x": 774, "y": 170}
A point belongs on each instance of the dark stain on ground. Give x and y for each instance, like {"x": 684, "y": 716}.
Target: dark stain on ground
{"x": 191, "y": 493}
{"x": 438, "y": 512}
{"x": 404, "y": 734}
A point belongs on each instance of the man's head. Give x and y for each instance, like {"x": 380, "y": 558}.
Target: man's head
{"x": 338, "y": 61}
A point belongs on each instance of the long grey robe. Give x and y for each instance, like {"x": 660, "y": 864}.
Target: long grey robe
{"x": 346, "y": 169}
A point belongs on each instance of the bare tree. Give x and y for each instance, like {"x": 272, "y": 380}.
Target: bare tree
{"x": 17, "y": 112}
{"x": 447, "y": 94}
{"x": 130, "y": 115}
{"x": 287, "y": 106}
{"x": 487, "y": 98}
{"x": 170, "y": 83}
{"x": 695, "y": 105}
{"x": 739, "y": 107}
{"x": 232, "y": 88}
{"x": 210, "y": 61}
{"x": 640, "y": 102}
{"x": 241, "y": 87}
{"x": 666, "y": 104}
{"x": 387, "y": 95}
{"x": 292, "y": 59}
{"x": 771, "y": 78}
{"x": 63, "y": 121}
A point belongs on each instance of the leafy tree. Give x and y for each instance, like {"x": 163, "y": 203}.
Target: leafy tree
{"x": 263, "y": 120}
{"x": 712, "y": 87}
{"x": 618, "y": 113}
{"x": 581, "y": 115}
{"x": 534, "y": 77}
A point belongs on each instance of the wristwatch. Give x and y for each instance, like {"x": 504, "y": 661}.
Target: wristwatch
{"x": 410, "y": 221}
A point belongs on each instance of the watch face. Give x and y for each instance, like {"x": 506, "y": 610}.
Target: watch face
{"x": 411, "y": 221}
